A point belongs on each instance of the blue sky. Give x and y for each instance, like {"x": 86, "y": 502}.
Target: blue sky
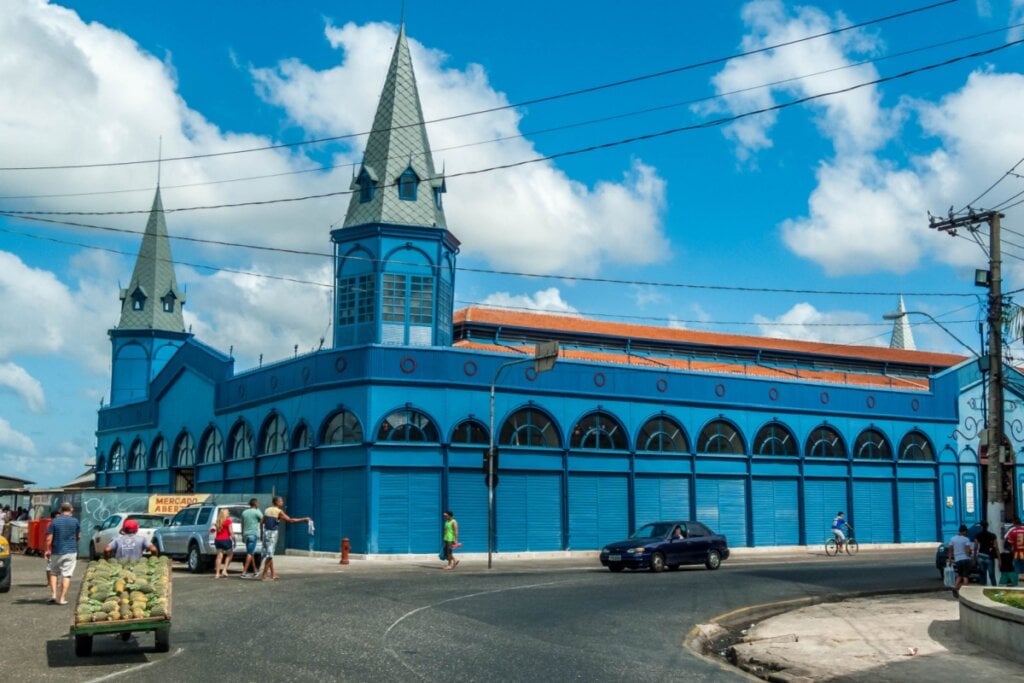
{"x": 830, "y": 195}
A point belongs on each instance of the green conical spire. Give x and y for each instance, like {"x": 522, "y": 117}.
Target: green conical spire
{"x": 151, "y": 301}
{"x": 398, "y": 142}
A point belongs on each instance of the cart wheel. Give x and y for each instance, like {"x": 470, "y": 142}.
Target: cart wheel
{"x": 83, "y": 646}
{"x": 163, "y": 639}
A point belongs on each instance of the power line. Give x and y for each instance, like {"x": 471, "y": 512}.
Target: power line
{"x": 992, "y": 186}
{"x": 552, "y": 129}
{"x": 486, "y": 271}
{"x": 523, "y": 103}
{"x": 713, "y": 123}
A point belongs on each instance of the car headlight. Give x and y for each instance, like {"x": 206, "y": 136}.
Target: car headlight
{"x": 605, "y": 551}
{"x": 636, "y": 551}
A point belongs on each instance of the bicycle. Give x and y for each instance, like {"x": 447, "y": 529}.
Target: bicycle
{"x": 832, "y": 546}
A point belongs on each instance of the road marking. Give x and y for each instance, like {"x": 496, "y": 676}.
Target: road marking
{"x": 408, "y": 614}
{"x": 135, "y": 668}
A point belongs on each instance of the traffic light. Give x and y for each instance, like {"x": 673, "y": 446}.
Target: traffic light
{"x": 489, "y": 470}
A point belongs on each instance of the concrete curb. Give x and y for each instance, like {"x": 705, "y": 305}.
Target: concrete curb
{"x": 994, "y": 626}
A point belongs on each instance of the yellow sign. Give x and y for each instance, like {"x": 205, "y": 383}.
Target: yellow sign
{"x": 170, "y": 503}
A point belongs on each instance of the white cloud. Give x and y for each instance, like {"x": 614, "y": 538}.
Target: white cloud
{"x": 13, "y": 440}
{"x": 548, "y": 222}
{"x": 806, "y": 323}
{"x": 25, "y": 386}
{"x": 545, "y": 301}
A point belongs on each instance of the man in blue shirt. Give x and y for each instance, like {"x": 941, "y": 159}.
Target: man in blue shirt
{"x": 839, "y": 527}
{"x": 62, "y": 551}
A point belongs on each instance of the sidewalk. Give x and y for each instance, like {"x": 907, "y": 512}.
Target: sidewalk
{"x": 884, "y": 638}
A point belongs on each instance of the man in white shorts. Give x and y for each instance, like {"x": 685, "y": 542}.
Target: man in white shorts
{"x": 62, "y": 551}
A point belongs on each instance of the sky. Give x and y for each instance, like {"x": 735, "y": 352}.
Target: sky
{"x": 804, "y": 221}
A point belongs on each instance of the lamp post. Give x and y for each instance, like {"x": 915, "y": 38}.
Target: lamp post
{"x": 544, "y": 356}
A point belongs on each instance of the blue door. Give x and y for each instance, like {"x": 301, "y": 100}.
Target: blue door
{"x": 776, "y": 512}
{"x": 918, "y": 508}
{"x": 409, "y": 512}
{"x": 342, "y": 509}
{"x": 300, "y": 504}
{"x": 598, "y": 510}
{"x": 467, "y": 499}
{"x": 660, "y": 498}
{"x": 722, "y": 505}
{"x": 872, "y": 517}
{"x": 529, "y": 513}
{"x": 823, "y": 498}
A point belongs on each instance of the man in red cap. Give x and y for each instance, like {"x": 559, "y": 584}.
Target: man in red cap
{"x": 129, "y": 545}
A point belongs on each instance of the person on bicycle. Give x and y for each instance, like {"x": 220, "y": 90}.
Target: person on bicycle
{"x": 839, "y": 527}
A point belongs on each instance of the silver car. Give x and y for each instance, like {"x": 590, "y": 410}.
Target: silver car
{"x": 189, "y": 535}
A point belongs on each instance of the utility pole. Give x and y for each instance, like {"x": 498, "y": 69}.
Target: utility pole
{"x": 997, "y": 494}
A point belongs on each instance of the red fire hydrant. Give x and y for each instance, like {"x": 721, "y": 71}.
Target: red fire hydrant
{"x": 345, "y": 548}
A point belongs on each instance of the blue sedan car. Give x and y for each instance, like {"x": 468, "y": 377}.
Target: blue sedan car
{"x": 658, "y": 545}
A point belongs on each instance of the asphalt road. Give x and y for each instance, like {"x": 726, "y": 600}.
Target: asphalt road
{"x": 517, "y": 622}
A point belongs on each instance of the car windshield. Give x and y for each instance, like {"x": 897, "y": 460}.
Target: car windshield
{"x": 653, "y": 530}
{"x": 149, "y": 522}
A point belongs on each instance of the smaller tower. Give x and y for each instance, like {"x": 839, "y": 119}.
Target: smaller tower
{"x": 902, "y": 337}
{"x": 151, "y": 328}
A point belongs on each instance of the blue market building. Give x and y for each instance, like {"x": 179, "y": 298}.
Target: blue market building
{"x": 762, "y": 439}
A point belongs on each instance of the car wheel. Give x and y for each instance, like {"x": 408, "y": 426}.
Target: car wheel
{"x": 615, "y": 567}
{"x": 714, "y": 560}
{"x": 657, "y": 562}
{"x": 163, "y": 639}
{"x": 5, "y": 583}
{"x": 194, "y": 560}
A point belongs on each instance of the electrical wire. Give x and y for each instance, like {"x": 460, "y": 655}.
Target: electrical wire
{"x": 523, "y": 103}
{"x": 488, "y": 271}
{"x": 543, "y": 131}
{"x": 992, "y": 186}
{"x": 713, "y": 123}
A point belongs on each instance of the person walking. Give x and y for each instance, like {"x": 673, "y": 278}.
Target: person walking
{"x": 988, "y": 554}
{"x": 62, "y": 551}
{"x": 252, "y": 521}
{"x": 450, "y": 537}
{"x": 1015, "y": 544}
{"x": 224, "y": 542}
{"x": 273, "y": 516}
{"x": 129, "y": 545}
{"x": 961, "y": 549}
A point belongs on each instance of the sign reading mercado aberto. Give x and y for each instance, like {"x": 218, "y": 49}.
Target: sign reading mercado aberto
{"x": 170, "y": 503}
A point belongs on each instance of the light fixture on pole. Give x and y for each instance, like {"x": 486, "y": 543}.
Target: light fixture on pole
{"x": 544, "y": 356}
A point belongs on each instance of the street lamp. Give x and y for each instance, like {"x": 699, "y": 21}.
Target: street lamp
{"x": 544, "y": 356}
{"x": 896, "y": 315}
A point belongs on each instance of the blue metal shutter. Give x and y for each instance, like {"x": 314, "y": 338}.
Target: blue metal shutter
{"x": 661, "y": 498}
{"x": 917, "y": 511}
{"x": 329, "y": 515}
{"x": 598, "y": 510}
{"x": 775, "y": 512}
{"x": 529, "y": 511}
{"x": 467, "y": 499}
{"x": 300, "y": 504}
{"x": 822, "y": 500}
{"x": 722, "y": 505}
{"x": 872, "y": 517}
{"x": 409, "y": 512}
{"x": 352, "y": 504}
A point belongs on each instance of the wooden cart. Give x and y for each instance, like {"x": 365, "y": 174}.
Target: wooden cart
{"x": 160, "y": 626}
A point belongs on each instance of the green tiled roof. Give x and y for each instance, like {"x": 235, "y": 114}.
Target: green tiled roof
{"x": 153, "y": 279}
{"x": 398, "y": 142}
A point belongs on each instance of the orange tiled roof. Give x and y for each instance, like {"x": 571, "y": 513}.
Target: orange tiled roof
{"x": 579, "y": 325}
{"x": 862, "y": 379}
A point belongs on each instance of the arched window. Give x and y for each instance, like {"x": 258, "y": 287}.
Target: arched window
{"x": 158, "y": 453}
{"x": 137, "y": 455}
{"x": 720, "y": 437}
{"x": 662, "y": 434}
{"x": 407, "y": 425}
{"x": 101, "y": 463}
{"x": 184, "y": 451}
{"x": 274, "y": 434}
{"x": 342, "y": 427}
{"x": 872, "y": 445}
{"x": 529, "y": 427}
{"x": 825, "y": 442}
{"x": 916, "y": 446}
{"x": 240, "y": 441}
{"x": 775, "y": 439}
{"x": 598, "y": 430}
{"x": 211, "y": 446}
{"x": 407, "y": 184}
{"x": 301, "y": 437}
{"x": 116, "y": 457}
{"x": 470, "y": 432}
{"x": 366, "y": 187}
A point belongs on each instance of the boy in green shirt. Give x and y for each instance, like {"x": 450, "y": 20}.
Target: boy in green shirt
{"x": 252, "y": 520}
